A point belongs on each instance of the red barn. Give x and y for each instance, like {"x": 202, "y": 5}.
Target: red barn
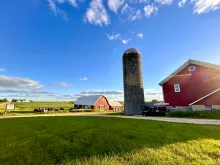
{"x": 115, "y": 106}
{"x": 193, "y": 86}
{"x": 97, "y": 102}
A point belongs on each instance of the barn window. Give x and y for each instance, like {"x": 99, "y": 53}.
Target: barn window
{"x": 177, "y": 87}
{"x": 208, "y": 107}
{"x": 192, "y": 68}
{"x": 174, "y": 107}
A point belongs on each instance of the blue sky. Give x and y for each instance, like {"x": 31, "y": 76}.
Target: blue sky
{"x": 62, "y": 49}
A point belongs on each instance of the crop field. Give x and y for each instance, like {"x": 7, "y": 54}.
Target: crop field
{"x": 32, "y": 105}
{"x": 106, "y": 141}
{"x": 27, "y": 108}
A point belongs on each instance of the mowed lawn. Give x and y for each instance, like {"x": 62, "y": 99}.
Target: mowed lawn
{"x": 100, "y": 140}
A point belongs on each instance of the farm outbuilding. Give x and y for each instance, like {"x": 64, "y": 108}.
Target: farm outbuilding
{"x": 193, "y": 86}
{"x": 115, "y": 105}
{"x": 97, "y": 102}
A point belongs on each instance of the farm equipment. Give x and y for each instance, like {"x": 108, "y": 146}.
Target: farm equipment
{"x": 157, "y": 109}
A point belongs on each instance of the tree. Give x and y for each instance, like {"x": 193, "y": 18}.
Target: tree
{"x": 14, "y": 100}
{"x": 3, "y": 100}
{"x": 155, "y": 101}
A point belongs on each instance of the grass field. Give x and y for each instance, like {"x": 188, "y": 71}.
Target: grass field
{"x": 32, "y": 105}
{"x": 106, "y": 141}
{"x": 27, "y": 108}
{"x": 213, "y": 114}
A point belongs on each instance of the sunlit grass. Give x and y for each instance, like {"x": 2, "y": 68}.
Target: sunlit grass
{"x": 100, "y": 140}
{"x": 201, "y": 152}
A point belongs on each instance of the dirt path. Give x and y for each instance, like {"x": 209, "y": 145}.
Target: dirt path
{"x": 166, "y": 119}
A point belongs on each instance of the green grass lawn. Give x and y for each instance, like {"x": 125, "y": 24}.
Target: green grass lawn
{"x": 213, "y": 114}
{"x": 112, "y": 141}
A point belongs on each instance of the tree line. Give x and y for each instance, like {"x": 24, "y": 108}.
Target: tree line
{"x": 3, "y": 100}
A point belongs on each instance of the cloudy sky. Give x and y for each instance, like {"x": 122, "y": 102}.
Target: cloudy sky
{"x": 63, "y": 49}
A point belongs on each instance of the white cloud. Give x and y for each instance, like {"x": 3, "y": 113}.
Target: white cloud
{"x": 83, "y": 79}
{"x": 114, "y": 5}
{"x": 17, "y": 82}
{"x": 124, "y": 9}
{"x": 143, "y": 1}
{"x": 63, "y": 84}
{"x": 128, "y": 10}
{"x": 2, "y": 69}
{"x": 57, "y": 11}
{"x": 73, "y": 3}
{"x": 203, "y": 6}
{"x": 182, "y": 3}
{"x": 25, "y": 91}
{"x": 140, "y": 35}
{"x": 97, "y": 14}
{"x": 149, "y": 9}
{"x": 136, "y": 16}
{"x": 126, "y": 41}
{"x": 114, "y": 37}
{"x": 151, "y": 94}
{"x": 164, "y": 2}
{"x": 101, "y": 92}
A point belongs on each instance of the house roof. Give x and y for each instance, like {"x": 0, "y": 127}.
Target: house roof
{"x": 187, "y": 63}
{"x": 205, "y": 96}
{"x": 114, "y": 103}
{"x": 87, "y": 100}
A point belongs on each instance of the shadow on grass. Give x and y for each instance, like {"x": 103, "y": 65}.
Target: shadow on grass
{"x": 54, "y": 140}
{"x": 21, "y": 112}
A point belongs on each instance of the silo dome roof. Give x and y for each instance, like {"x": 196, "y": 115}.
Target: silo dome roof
{"x": 131, "y": 50}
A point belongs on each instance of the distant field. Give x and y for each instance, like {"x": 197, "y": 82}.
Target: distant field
{"x": 27, "y": 108}
{"x": 32, "y": 105}
{"x": 106, "y": 141}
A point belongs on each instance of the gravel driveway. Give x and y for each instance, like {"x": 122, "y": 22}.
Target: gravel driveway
{"x": 166, "y": 119}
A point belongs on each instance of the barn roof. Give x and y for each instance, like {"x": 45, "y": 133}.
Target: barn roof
{"x": 114, "y": 103}
{"x": 187, "y": 63}
{"x": 87, "y": 100}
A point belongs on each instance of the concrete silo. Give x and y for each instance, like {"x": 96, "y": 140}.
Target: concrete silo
{"x": 133, "y": 82}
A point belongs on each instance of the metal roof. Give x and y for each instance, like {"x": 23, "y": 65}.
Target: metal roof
{"x": 131, "y": 50}
{"x": 114, "y": 103}
{"x": 87, "y": 100}
{"x": 187, "y": 63}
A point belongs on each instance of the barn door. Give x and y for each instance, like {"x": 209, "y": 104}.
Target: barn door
{"x": 102, "y": 107}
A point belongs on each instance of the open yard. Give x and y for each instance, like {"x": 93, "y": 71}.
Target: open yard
{"x": 99, "y": 140}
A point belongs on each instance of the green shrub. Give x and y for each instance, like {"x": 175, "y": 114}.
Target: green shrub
{"x": 213, "y": 114}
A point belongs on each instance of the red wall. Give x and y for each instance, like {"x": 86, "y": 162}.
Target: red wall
{"x": 102, "y": 101}
{"x": 213, "y": 99}
{"x": 193, "y": 85}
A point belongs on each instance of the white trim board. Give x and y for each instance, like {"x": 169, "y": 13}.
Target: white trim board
{"x": 185, "y": 64}
{"x": 205, "y": 96}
